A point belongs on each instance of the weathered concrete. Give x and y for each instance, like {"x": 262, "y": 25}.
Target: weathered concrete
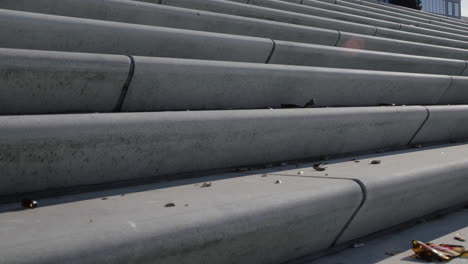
{"x": 321, "y": 9}
{"x": 174, "y": 17}
{"x": 47, "y": 32}
{"x": 400, "y": 187}
{"x": 49, "y": 82}
{"x": 72, "y": 150}
{"x": 395, "y": 248}
{"x": 173, "y": 84}
{"x": 444, "y": 123}
{"x": 415, "y": 37}
{"x": 246, "y": 219}
{"x": 358, "y": 41}
{"x": 314, "y": 21}
{"x": 294, "y": 53}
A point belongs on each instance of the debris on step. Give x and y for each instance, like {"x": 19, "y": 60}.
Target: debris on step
{"x": 375, "y": 162}
{"x": 440, "y": 252}
{"x": 300, "y": 173}
{"x": 311, "y": 103}
{"x": 169, "y": 205}
{"x": 319, "y": 167}
{"x": 459, "y": 238}
{"x": 206, "y": 184}
{"x": 29, "y": 203}
{"x": 278, "y": 182}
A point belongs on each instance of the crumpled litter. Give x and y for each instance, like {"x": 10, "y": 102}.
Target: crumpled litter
{"x": 440, "y": 252}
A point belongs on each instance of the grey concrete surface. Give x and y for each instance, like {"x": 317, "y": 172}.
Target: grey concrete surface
{"x": 416, "y": 37}
{"x": 47, "y": 32}
{"x": 246, "y": 219}
{"x": 49, "y": 82}
{"x": 174, "y": 17}
{"x": 396, "y": 247}
{"x": 158, "y": 84}
{"x": 317, "y": 8}
{"x": 444, "y": 123}
{"x": 359, "y": 41}
{"x": 433, "y": 18}
{"x": 54, "y": 151}
{"x": 293, "y": 53}
{"x": 316, "y": 21}
{"x": 107, "y": 37}
{"x": 406, "y": 184}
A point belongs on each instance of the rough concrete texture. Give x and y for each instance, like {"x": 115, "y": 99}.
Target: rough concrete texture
{"x": 403, "y": 186}
{"x": 395, "y": 248}
{"x": 73, "y": 150}
{"x": 49, "y": 82}
{"x": 334, "y": 11}
{"x": 444, "y": 123}
{"x": 294, "y": 53}
{"x": 166, "y": 16}
{"x": 246, "y": 219}
{"x": 272, "y": 14}
{"x": 47, "y": 32}
{"x": 358, "y": 41}
{"x": 158, "y": 84}
{"x": 415, "y": 37}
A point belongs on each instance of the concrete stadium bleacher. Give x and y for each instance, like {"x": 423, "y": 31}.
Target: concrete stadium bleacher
{"x": 156, "y": 131}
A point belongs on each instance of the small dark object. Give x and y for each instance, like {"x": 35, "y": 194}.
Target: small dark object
{"x": 459, "y": 238}
{"x": 206, "y": 184}
{"x": 318, "y": 167}
{"x": 186, "y": 205}
{"x": 310, "y": 104}
{"x": 277, "y": 182}
{"x": 105, "y": 198}
{"x": 169, "y": 205}
{"x": 264, "y": 175}
{"x": 29, "y": 203}
{"x": 375, "y": 162}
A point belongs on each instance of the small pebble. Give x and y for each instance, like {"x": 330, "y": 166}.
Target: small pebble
{"x": 29, "y": 203}
{"x": 206, "y": 184}
{"x": 459, "y": 238}
{"x": 278, "y": 182}
{"x": 300, "y": 173}
{"x": 318, "y": 167}
{"x": 169, "y": 205}
{"x": 186, "y": 205}
{"x": 105, "y": 198}
{"x": 265, "y": 175}
{"x": 375, "y": 162}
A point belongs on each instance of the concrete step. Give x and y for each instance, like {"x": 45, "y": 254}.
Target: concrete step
{"x": 41, "y": 82}
{"x": 27, "y": 31}
{"x": 40, "y": 152}
{"x": 157, "y": 15}
{"x": 263, "y": 216}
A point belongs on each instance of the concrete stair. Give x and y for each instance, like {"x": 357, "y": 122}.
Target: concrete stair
{"x": 112, "y": 110}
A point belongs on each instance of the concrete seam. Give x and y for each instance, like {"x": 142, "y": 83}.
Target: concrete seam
{"x": 271, "y": 52}
{"x": 338, "y": 39}
{"x": 446, "y": 89}
{"x": 126, "y": 85}
{"x": 353, "y": 215}
{"x": 421, "y": 126}
{"x": 463, "y": 70}
{"x": 375, "y": 32}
